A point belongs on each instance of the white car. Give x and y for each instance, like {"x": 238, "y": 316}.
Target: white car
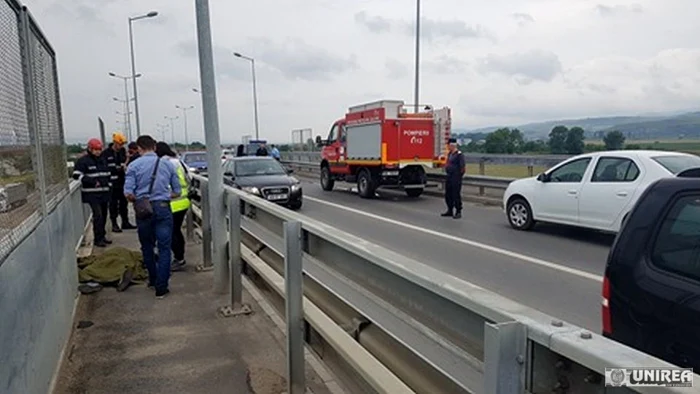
{"x": 594, "y": 190}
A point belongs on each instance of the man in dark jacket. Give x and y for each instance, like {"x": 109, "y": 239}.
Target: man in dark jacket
{"x": 262, "y": 151}
{"x": 93, "y": 173}
{"x": 132, "y": 153}
{"x": 454, "y": 169}
{"x": 115, "y": 157}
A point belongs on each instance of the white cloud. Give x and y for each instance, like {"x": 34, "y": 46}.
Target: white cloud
{"x": 492, "y": 62}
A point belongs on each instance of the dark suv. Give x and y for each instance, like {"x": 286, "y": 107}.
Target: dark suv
{"x": 651, "y": 288}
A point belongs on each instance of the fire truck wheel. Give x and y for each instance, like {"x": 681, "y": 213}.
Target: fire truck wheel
{"x": 327, "y": 182}
{"x": 365, "y": 184}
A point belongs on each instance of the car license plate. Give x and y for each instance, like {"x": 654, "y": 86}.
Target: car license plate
{"x": 275, "y": 197}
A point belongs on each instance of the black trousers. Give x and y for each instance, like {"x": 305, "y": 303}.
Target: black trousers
{"x": 99, "y": 219}
{"x": 453, "y": 194}
{"x": 118, "y": 206}
{"x": 178, "y": 240}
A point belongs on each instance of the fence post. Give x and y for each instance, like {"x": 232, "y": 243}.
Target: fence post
{"x": 293, "y": 285}
{"x": 482, "y": 171}
{"x": 189, "y": 225}
{"x": 206, "y": 228}
{"x": 32, "y": 110}
{"x": 236, "y": 307}
{"x": 505, "y": 348}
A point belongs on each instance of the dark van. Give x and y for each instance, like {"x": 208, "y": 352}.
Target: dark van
{"x": 651, "y": 288}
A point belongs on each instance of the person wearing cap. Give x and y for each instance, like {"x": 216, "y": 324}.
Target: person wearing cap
{"x": 94, "y": 176}
{"x": 454, "y": 169}
{"x": 115, "y": 157}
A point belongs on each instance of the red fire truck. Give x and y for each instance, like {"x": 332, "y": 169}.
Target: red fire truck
{"x": 383, "y": 144}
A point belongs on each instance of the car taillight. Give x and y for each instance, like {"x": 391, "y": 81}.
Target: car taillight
{"x": 607, "y": 324}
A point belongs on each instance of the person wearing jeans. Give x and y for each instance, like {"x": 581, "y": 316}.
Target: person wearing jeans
{"x": 178, "y": 205}
{"x": 155, "y": 179}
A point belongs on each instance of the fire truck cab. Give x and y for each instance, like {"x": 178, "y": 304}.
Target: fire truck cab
{"x": 383, "y": 145}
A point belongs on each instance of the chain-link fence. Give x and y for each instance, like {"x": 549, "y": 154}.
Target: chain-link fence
{"x": 32, "y": 150}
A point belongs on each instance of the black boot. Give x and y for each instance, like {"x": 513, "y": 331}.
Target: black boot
{"x": 458, "y": 215}
{"x": 127, "y": 226}
{"x": 447, "y": 214}
{"x": 115, "y": 227}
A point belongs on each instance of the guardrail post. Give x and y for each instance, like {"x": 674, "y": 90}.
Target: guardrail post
{"x": 236, "y": 307}
{"x": 189, "y": 225}
{"x": 294, "y": 306}
{"x": 206, "y": 229}
{"x": 482, "y": 171}
{"x": 505, "y": 348}
{"x": 530, "y": 170}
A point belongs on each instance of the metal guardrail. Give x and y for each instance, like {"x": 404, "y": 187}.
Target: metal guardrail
{"x": 389, "y": 324}
{"x": 480, "y": 182}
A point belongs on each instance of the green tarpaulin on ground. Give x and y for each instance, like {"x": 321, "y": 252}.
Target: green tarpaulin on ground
{"x": 109, "y": 266}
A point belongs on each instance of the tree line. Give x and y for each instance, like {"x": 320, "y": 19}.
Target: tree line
{"x": 562, "y": 140}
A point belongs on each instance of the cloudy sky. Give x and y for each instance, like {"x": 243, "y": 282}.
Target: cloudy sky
{"x": 493, "y": 62}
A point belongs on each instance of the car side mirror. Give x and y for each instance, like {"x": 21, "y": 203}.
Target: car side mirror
{"x": 543, "y": 177}
{"x": 319, "y": 142}
{"x": 228, "y": 173}
{"x": 290, "y": 170}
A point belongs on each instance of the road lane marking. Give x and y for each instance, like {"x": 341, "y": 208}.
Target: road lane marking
{"x": 493, "y": 249}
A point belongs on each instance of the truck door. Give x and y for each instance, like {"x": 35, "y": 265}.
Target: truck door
{"x": 667, "y": 308}
{"x": 331, "y": 151}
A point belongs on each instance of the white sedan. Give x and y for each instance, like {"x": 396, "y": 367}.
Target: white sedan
{"x": 594, "y": 190}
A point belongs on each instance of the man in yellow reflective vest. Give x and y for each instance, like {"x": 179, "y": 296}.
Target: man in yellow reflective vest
{"x": 178, "y": 206}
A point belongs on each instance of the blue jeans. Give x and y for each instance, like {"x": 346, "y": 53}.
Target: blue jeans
{"x": 157, "y": 230}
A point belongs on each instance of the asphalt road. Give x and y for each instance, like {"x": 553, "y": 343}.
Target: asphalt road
{"x": 554, "y": 269}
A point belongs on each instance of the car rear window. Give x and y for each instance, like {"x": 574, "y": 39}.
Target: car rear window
{"x": 677, "y": 245}
{"x": 676, "y": 164}
{"x": 194, "y": 157}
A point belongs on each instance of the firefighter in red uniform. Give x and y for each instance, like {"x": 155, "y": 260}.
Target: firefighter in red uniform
{"x": 95, "y": 188}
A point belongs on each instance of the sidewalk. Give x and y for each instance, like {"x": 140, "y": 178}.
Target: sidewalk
{"x": 132, "y": 342}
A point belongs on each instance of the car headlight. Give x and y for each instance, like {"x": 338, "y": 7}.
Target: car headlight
{"x": 296, "y": 187}
{"x": 193, "y": 169}
{"x": 251, "y": 189}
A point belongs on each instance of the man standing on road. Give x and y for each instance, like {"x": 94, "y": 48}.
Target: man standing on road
{"x": 275, "y": 153}
{"x": 115, "y": 157}
{"x": 93, "y": 173}
{"x": 454, "y": 169}
{"x": 262, "y": 150}
{"x": 154, "y": 179}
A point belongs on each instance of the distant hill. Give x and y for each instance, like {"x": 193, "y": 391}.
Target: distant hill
{"x": 656, "y": 127}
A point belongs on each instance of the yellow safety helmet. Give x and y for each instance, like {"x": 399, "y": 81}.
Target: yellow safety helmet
{"x": 118, "y": 138}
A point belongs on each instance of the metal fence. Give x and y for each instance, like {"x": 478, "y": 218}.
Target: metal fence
{"x": 386, "y": 323}
{"x": 32, "y": 149}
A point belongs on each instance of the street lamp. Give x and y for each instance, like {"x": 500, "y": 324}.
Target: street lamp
{"x": 126, "y": 98}
{"x": 172, "y": 126}
{"x": 133, "y": 65}
{"x": 255, "y": 93}
{"x": 184, "y": 115}
{"x": 415, "y": 98}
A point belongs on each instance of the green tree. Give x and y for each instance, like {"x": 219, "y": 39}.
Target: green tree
{"x": 614, "y": 140}
{"x": 557, "y": 139}
{"x": 504, "y": 140}
{"x": 574, "y": 143}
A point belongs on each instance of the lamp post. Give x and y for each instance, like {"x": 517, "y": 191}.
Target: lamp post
{"x": 172, "y": 126}
{"x": 127, "y": 125}
{"x": 133, "y": 65}
{"x": 184, "y": 115}
{"x": 415, "y": 98}
{"x": 255, "y": 92}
